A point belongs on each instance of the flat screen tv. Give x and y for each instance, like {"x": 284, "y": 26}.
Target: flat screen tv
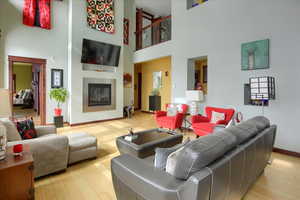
{"x": 100, "y": 53}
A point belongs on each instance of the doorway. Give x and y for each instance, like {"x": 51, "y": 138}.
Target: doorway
{"x": 197, "y": 74}
{"x": 27, "y": 87}
{"x": 137, "y": 87}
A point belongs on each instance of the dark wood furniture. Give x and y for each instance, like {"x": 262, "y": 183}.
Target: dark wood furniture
{"x": 146, "y": 141}
{"x": 58, "y": 121}
{"x": 16, "y": 176}
{"x": 154, "y": 103}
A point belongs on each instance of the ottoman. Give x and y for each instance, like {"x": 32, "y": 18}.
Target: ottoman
{"x": 81, "y": 147}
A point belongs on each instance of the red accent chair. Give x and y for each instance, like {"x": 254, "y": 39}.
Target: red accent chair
{"x": 201, "y": 124}
{"x": 171, "y": 122}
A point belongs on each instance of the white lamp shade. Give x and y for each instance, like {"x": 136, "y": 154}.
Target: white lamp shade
{"x": 194, "y": 95}
{"x": 5, "y": 105}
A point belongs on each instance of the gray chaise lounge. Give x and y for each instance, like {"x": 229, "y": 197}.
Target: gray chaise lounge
{"x": 51, "y": 152}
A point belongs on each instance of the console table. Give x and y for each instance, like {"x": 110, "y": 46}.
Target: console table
{"x": 16, "y": 176}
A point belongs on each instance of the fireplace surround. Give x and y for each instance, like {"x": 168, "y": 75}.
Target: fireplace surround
{"x": 99, "y": 94}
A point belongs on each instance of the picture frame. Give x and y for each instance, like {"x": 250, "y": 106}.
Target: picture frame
{"x": 255, "y": 55}
{"x": 57, "y": 78}
{"x": 157, "y": 80}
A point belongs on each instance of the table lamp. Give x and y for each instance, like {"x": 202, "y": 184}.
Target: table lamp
{"x": 5, "y": 112}
{"x": 194, "y": 96}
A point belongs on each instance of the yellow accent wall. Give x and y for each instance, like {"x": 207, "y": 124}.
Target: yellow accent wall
{"x": 147, "y": 69}
{"x": 23, "y": 76}
{"x": 199, "y": 64}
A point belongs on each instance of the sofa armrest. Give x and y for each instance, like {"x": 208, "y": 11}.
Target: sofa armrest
{"x": 199, "y": 119}
{"x": 197, "y": 186}
{"x": 50, "y": 154}
{"x": 224, "y": 122}
{"x": 143, "y": 179}
{"x": 160, "y": 113}
{"x": 45, "y": 130}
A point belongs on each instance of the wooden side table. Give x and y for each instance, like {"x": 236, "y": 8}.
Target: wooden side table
{"x": 16, "y": 175}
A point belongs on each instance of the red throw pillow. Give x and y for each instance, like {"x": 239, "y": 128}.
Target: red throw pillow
{"x": 26, "y": 129}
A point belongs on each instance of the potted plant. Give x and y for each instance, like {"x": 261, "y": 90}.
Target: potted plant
{"x": 155, "y": 92}
{"x": 60, "y": 96}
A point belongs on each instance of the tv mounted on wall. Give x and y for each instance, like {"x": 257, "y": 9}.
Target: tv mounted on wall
{"x": 99, "y": 53}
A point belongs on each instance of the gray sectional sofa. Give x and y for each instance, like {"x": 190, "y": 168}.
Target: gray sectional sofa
{"x": 51, "y": 152}
{"x": 223, "y": 165}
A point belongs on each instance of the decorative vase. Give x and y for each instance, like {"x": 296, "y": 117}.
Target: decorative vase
{"x": 57, "y": 112}
{"x": 3, "y": 142}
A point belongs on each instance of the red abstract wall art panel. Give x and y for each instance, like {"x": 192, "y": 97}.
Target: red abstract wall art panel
{"x": 37, "y": 13}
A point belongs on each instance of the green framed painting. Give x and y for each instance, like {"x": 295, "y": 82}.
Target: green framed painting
{"x": 255, "y": 55}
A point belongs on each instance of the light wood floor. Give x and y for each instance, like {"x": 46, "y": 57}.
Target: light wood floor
{"x": 91, "y": 180}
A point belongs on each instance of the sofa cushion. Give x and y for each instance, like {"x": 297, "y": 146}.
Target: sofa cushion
{"x": 217, "y": 116}
{"x": 172, "y": 111}
{"x": 11, "y": 130}
{"x": 81, "y": 141}
{"x": 199, "y": 153}
{"x": 248, "y": 129}
{"x": 161, "y": 154}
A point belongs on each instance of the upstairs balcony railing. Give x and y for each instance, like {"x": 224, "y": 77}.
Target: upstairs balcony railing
{"x": 155, "y": 33}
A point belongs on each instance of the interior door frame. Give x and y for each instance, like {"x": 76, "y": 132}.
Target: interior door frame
{"x": 42, "y": 83}
{"x": 140, "y": 82}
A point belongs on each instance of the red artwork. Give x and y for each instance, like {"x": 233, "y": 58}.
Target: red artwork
{"x": 126, "y": 31}
{"x": 37, "y": 13}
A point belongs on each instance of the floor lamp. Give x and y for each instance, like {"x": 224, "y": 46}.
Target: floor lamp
{"x": 5, "y": 112}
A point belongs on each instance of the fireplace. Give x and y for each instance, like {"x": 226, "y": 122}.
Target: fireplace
{"x": 99, "y": 94}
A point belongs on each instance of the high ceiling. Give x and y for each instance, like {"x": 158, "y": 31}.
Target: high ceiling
{"x": 156, "y": 7}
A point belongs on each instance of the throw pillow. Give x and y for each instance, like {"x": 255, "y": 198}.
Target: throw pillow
{"x": 172, "y": 161}
{"x": 11, "y": 130}
{"x": 26, "y": 129}
{"x": 171, "y": 111}
{"x": 179, "y": 108}
{"x": 216, "y": 116}
{"x": 161, "y": 154}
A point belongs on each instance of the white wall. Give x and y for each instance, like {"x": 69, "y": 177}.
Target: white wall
{"x": 20, "y": 40}
{"x": 80, "y": 30}
{"x": 129, "y": 13}
{"x": 157, "y": 51}
{"x": 217, "y": 29}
